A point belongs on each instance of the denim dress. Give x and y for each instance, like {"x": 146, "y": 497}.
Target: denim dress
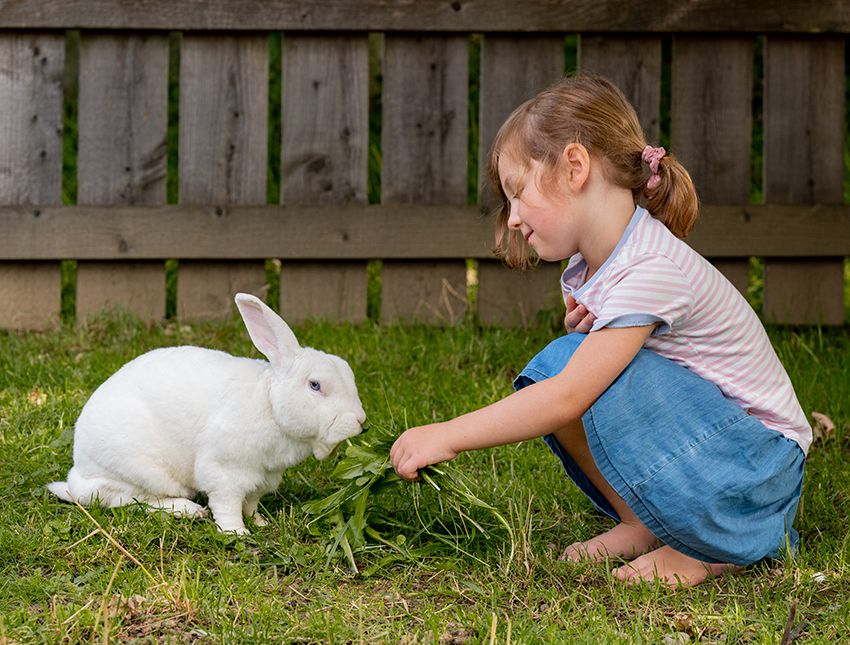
{"x": 706, "y": 478}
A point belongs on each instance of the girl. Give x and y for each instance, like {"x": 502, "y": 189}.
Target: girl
{"x": 673, "y": 414}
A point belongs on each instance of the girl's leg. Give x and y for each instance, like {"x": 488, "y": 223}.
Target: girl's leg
{"x": 630, "y": 538}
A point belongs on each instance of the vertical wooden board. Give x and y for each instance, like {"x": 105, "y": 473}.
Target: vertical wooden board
{"x": 31, "y": 72}
{"x": 424, "y": 139}
{"x": 324, "y": 159}
{"x": 123, "y": 108}
{"x": 514, "y": 298}
{"x": 329, "y": 290}
{"x": 137, "y": 287}
{"x": 222, "y": 156}
{"x": 711, "y": 124}
{"x": 429, "y": 292}
{"x": 632, "y": 63}
{"x": 803, "y": 164}
{"x": 513, "y": 69}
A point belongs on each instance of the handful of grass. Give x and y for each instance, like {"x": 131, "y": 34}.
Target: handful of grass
{"x": 417, "y": 526}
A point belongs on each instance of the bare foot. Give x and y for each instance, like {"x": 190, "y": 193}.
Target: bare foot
{"x": 671, "y": 568}
{"x": 625, "y": 540}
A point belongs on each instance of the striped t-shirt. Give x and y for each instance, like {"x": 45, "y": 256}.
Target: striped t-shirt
{"x": 703, "y": 322}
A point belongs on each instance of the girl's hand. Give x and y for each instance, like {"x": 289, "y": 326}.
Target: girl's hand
{"x": 419, "y": 447}
{"x": 577, "y": 318}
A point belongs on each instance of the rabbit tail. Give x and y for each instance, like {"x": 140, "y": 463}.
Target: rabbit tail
{"x": 86, "y": 491}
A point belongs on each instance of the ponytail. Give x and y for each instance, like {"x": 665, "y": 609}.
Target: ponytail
{"x": 673, "y": 198}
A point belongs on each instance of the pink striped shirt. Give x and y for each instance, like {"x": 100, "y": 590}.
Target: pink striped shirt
{"x": 703, "y": 322}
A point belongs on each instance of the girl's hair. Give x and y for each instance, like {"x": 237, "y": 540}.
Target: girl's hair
{"x": 591, "y": 111}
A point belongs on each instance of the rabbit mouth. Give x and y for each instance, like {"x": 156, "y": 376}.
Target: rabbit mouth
{"x": 342, "y": 427}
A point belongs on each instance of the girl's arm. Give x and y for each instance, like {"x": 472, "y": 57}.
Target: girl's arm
{"x": 534, "y": 411}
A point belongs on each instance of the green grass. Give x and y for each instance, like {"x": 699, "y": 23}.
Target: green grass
{"x": 61, "y": 581}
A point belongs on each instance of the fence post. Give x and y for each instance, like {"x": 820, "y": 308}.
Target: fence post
{"x": 224, "y": 90}
{"x": 423, "y": 140}
{"x": 804, "y": 164}
{"x": 513, "y": 69}
{"x": 123, "y": 119}
{"x": 324, "y": 160}
{"x": 31, "y": 73}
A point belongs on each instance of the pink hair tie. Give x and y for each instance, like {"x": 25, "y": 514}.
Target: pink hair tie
{"x": 653, "y": 157}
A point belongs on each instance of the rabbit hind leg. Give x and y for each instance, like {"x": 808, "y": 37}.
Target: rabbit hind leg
{"x": 177, "y": 506}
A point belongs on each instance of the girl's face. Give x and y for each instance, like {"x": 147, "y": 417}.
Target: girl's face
{"x": 538, "y": 210}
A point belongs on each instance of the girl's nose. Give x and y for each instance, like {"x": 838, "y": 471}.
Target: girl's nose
{"x": 514, "y": 220}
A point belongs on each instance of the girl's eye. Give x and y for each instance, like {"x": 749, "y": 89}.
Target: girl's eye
{"x": 315, "y": 386}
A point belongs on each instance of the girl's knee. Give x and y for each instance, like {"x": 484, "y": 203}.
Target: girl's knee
{"x": 551, "y": 360}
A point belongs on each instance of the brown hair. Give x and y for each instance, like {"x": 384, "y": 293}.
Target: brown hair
{"x": 591, "y": 111}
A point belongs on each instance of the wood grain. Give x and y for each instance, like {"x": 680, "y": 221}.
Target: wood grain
{"x": 222, "y": 156}
{"x": 711, "y": 124}
{"x": 747, "y": 16}
{"x": 423, "y": 140}
{"x": 123, "y": 108}
{"x": 513, "y": 69}
{"x": 354, "y": 232}
{"x": 632, "y": 63}
{"x": 803, "y": 164}
{"x": 31, "y": 68}
{"x": 324, "y": 161}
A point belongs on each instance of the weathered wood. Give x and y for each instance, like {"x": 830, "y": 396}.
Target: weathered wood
{"x": 356, "y": 232}
{"x": 513, "y": 69}
{"x": 330, "y": 290}
{"x": 803, "y": 163}
{"x": 431, "y": 15}
{"x": 223, "y": 149}
{"x": 632, "y": 63}
{"x": 324, "y": 160}
{"x": 31, "y": 69}
{"x": 123, "y": 108}
{"x": 711, "y": 123}
{"x": 424, "y": 142}
{"x": 515, "y": 298}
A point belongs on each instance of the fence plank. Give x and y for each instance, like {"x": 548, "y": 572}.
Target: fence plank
{"x": 324, "y": 161}
{"x": 803, "y": 163}
{"x": 749, "y": 16}
{"x": 223, "y": 155}
{"x": 31, "y": 71}
{"x": 632, "y": 63}
{"x": 123, "y": 105}
{"x": 358, "y": 232}
{"x": 424, "y": 143}
{"x": 513, "y": 69}
{"x": 711, "y": 123}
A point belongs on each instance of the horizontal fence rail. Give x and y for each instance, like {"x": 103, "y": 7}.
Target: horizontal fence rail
{"x": 365, "y": 137}
{"x": 353, "y": 232}
{"x": 431, "y": 15}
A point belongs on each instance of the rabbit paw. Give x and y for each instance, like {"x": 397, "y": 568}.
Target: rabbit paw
{"x": 259, "y": 520}
{"x": 237, "y": 530}
{"x": 179, "y": 507}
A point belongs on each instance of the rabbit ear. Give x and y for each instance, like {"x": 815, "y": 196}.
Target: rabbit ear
{"x": 269, "y": 333}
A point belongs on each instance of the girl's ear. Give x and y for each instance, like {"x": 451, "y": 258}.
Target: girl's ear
{"x": 575, "y": 160}
{"x": 269, "y": 333}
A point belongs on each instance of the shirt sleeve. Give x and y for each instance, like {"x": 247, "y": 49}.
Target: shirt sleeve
{"x": 649, "y": 290}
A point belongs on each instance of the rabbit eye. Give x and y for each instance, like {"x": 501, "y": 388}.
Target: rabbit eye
{"x": 315, "y": 386}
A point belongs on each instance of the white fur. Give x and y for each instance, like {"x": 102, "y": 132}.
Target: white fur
{"x": 181, "y": 420}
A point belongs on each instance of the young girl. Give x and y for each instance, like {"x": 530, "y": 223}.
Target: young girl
{"x": 673, "y": 414}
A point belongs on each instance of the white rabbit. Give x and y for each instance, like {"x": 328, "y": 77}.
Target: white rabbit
{"x": 181, "y": 420}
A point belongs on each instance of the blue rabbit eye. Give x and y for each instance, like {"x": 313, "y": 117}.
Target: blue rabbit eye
{"x": 315, "y": 385}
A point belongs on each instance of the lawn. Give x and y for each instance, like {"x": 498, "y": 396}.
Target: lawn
{"x": 125, "y": 574}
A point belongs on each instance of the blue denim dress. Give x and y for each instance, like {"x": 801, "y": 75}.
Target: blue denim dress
{"x": 705, "y": 477}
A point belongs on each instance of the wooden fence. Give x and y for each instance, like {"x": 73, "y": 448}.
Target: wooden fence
{"x": 120, "y": 231}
